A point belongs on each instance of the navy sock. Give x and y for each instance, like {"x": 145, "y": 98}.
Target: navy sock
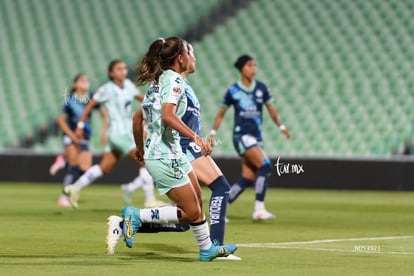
{"x": 218, "y": 206}
{"x": 238, "y": 187}
{"x": 71, "y": 175}
{"x": 262, "y": 180}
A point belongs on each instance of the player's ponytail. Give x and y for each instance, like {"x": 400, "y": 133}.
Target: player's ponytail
{"x": 161, "y": 56}
{"x": 149, "y": 67}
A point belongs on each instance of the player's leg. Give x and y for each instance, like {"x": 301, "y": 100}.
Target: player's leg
{"x": 72, "y": 172}
{"x": 210, "y": 175}
{"x": 259, "y": 160}
{"x": 108, "y": 162}
{"x": 246, "y": 180}
{"x": 172, "y": 178}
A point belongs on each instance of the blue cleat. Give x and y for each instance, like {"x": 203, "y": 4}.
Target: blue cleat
{"x": 217, "y": 251}
{"x": 132, "y": 223}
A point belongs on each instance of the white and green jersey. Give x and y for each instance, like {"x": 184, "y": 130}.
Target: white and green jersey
{"x": 117, "y": 102}
{"x": 162, "y": 140}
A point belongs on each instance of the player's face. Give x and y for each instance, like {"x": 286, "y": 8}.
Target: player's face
{"x": 82, "y": 84}
{"x": 184, "y": 59}
{"x": 119, "y": 72}
{"x": 191, "y": 60}
{"x": 249, "y": 69}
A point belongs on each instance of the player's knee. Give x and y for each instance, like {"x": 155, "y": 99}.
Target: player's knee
{"x": 194, "y": 214}
{"x": 266, "y": 168}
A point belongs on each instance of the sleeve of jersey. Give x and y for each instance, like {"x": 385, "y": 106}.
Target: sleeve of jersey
{"x": 267, "y": 97}
{"x": 227, "y": 100}
{"x": 133, "y": 89}
{"x": 65, "y": 109}
{"x": 100, "y": 95}
{"x": 172, "y": 91}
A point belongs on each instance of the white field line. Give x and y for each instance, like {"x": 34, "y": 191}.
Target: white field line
{"x": 291, "y": 245}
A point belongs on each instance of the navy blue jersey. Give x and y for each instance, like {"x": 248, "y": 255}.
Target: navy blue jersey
{"x": 248, "y": 107}
{"x": 73, "y": 109}
{"x": 191, "y": 116}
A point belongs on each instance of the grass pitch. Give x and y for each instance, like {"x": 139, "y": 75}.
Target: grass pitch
{"x": 315, "y": 233}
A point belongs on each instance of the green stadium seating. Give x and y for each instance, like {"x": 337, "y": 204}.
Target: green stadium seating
{"x": 340, "y": 71}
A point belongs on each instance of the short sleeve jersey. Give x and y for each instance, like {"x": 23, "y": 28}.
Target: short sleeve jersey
{"x": 73, "y": 109}
{"x": 162, "y": 140}
{"x": 248, "y": 107}
{"x": 117, "y": 101}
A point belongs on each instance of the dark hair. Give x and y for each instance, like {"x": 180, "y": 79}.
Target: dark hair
{"x": 112, "y": 65}
{"x": 161, "y": 55}
{"x": 241, "y": 61}
{"x": 75, "y": 79}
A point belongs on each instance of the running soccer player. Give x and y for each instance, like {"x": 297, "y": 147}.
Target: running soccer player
{"x": 77, "y": 153}
{"x": 205, "y": 168}
{"x": 248, "y": 97}
{"x": 116, "y": 96}
{"x": 164, "y": 104}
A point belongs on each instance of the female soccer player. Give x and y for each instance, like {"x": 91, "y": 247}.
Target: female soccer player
{"x": 164, "y": 104}
{"x": 116, "y": 96}
{"x": 205, "y": 168}
{"x": 77, "y": 152}
{"x": 248, "y": 97}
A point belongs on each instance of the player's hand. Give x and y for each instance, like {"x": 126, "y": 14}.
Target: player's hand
{"x": 212, "y": 140}
{"x": 75, "y": 139}
{"x": 139, "y": 155}
{"x": 286, "y": 133}
{"x": 104, "y": 139}
{"x": 205, "y": 146}
{"x": 79, "y": 132}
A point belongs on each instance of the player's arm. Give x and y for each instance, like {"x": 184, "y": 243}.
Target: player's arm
{"x": 169, "y": 117}
{"x": 61, "y": 121}
{"x": 139, "y": 97}
{"x": 276, "y": 119}
{"x": 81, "y": 123}
{"x": 216, "y": 124}
{"x": 105, "y": 125}
{"x": 138, "y": 131}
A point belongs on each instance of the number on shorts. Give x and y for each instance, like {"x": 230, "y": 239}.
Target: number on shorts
{"x": 195, "y": 147}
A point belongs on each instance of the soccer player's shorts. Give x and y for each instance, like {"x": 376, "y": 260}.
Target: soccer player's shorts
{"x": 244, "y": 142}
{"x": 84, "y": 144}
{"x": 191, "y": 150}
{"x": 120, "y": 142}
{"x": 169, "y": 173}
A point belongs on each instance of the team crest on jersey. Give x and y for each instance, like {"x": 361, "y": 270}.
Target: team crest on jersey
{"x": 177, "y": 90}
{"x": 259, "y": 93}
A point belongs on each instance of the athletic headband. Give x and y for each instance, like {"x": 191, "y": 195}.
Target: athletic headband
{"x": 241, "y": 61}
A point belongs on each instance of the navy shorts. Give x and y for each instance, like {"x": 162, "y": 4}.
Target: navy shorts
{"x": 84, "y": 144}
{"x": 191, "y": 150}
{"x": 243, "y": 142}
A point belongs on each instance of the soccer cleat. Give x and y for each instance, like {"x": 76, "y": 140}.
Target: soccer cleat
{"x": 73, "y": 194}
{"x": 230, "y": 257}
{"x": 263, "y": 215}
{"x": 114, "y": 233}
{"x": 132, "y": 223}
{"x": 217, "y": 251}
{"x": 63, "y": 202}
{"x": 154, "y": 203}
{"x": 127, "y": 194}
{"x": 57, "y": 165}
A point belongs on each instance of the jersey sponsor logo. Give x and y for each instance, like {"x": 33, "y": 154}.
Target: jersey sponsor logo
{"x": 259, "y": 93}
{"x": 177, "y": 80}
